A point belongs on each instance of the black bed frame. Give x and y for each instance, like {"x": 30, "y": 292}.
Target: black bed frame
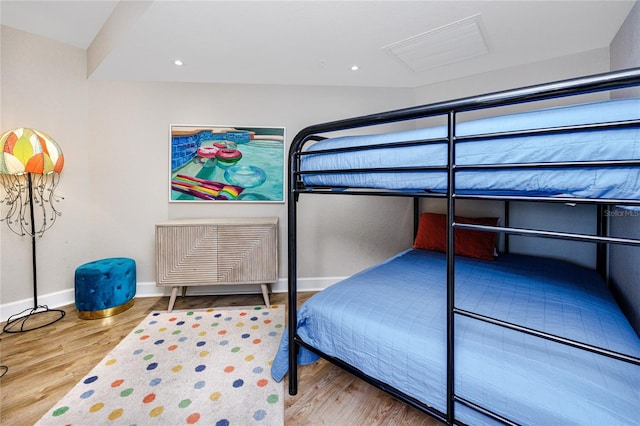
{"x": 564, "y": 88}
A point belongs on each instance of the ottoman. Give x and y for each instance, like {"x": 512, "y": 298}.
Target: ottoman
{"x": 105, "y": 287}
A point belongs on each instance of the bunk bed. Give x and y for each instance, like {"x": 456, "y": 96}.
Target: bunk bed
{"x": 446, "y": 326}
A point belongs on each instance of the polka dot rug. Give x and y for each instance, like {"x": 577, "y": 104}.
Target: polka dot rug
{"x": 209, "y": 367}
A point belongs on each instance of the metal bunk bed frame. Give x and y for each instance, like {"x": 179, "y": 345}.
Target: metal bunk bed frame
{"x": 571, "y": 87}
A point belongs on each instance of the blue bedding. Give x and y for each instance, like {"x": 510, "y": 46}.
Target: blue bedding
{"x": 588, "y": 182}
{"x": 389, "y": 322}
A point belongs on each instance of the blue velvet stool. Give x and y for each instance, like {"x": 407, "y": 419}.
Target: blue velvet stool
{"x": 105, "y": 287}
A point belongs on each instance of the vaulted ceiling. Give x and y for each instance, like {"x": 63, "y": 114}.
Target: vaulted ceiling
{"x": 393, "y": 43}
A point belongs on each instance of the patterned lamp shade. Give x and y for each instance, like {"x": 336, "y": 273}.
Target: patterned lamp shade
{"x": 29, "y": 151}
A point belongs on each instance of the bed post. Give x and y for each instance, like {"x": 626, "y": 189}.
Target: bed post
{"x": 450, "y": 268}
{"x": 292, "y": 271}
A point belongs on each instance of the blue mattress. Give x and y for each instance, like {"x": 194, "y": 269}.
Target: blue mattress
{"x": 389, "y": 322}
{"x": 588, "y": 182}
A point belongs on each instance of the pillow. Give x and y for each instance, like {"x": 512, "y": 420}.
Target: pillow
{"x": 432, "y": 235}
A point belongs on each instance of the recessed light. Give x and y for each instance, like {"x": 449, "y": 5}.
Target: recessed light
{"x": 178, "y": 62}
{"x": 354, "y": 68}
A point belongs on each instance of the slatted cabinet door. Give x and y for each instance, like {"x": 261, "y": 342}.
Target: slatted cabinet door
{"x": 187, "y": 254}
{"x": 246, "y": 254}
{"x": 227, "y": 251}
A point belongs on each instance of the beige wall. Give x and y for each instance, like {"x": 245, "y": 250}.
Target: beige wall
{"x": 44, "y": 86}
{"x": 625, "y": 48}
{"x": 129, "y": 125}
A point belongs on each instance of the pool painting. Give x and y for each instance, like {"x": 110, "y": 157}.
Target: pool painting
{"x": 227, "y": 163}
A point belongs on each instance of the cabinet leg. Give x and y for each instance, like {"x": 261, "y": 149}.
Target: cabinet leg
{"x": 172, "y": 299}
{"x": 184, "y": 291}
{"x": 265, "y": 294}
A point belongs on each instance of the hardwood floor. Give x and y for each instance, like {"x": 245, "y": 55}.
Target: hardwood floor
{"x": 44, "y": 364}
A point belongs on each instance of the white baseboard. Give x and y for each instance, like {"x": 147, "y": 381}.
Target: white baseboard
{"x": 52, "y": 300}
{"x": 149, "y": 289}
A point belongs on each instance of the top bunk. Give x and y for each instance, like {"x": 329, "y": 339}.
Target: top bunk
{"x": 583, "y": 152}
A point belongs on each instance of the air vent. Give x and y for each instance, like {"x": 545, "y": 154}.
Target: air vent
{"x": 446, "y": 45}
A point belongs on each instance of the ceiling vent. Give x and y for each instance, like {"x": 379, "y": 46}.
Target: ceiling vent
{"x": 446, "y": 45}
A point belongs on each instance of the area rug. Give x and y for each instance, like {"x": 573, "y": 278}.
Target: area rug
{"x": 209, "y": 367}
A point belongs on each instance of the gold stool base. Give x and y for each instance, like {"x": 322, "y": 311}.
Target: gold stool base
{"x": 104, "y": 313}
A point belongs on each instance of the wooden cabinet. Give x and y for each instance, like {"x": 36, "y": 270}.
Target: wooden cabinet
{"x": 206, "y": 252}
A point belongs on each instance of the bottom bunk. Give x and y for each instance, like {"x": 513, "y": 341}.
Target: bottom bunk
{"x": 389, "y": 322}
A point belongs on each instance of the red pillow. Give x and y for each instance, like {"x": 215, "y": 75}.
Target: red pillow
{"x": 432, "y": 235}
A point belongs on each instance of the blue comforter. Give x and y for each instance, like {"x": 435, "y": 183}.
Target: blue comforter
{"x": 389, "y": 322}
{"x": 588, "y": 182}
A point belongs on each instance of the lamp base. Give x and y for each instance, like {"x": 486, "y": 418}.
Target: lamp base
{"x": 38, "y": 317}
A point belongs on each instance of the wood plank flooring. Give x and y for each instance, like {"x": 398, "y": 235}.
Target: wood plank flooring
{"x": 45, "y": 364}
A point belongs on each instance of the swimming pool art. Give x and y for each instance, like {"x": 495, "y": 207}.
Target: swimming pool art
{"x": 221, "y": 163}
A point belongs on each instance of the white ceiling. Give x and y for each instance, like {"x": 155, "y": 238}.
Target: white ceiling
{"x": 308, "y": 42}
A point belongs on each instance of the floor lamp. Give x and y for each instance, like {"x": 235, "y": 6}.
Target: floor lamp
{"x": 30, "y": 166}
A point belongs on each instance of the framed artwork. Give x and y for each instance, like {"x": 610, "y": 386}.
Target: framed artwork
{"x": 227, "y": 164}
